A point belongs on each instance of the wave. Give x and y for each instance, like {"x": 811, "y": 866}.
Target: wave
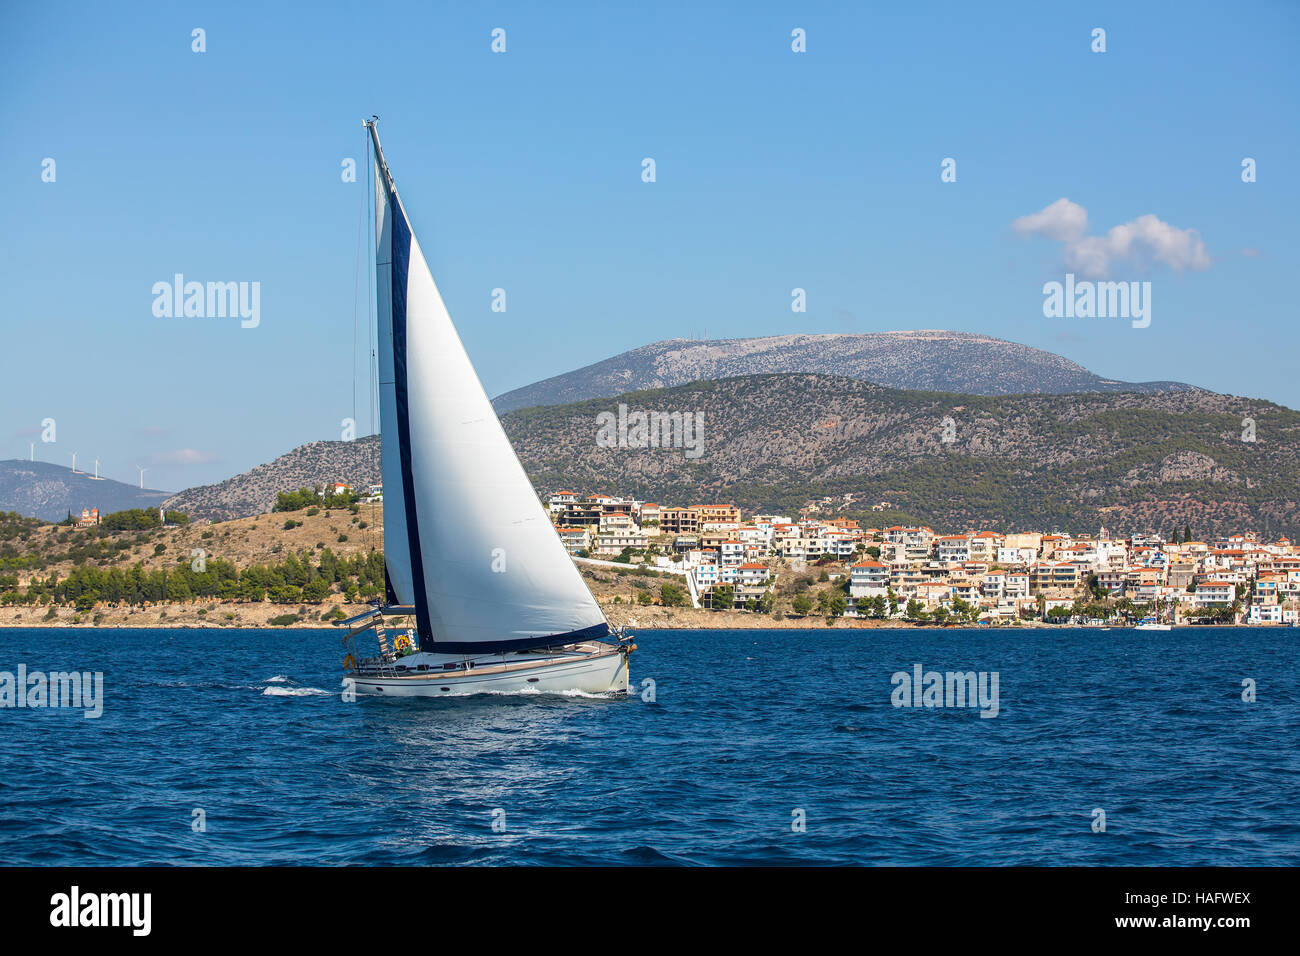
{"x": 296, "y": 692}
{"x": 535, "y": 692}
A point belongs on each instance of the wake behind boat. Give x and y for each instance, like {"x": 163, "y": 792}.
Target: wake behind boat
{"x": 484, "y": 595}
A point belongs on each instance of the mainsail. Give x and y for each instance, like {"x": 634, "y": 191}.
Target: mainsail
{"x": 466, "y": 540}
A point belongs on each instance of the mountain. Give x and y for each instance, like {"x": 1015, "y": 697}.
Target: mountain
{"x": 1133, "y": 461}
{"x": 941, "y": 361}
{"x": 253, "y": 492}
{"x": 38, "y": 489}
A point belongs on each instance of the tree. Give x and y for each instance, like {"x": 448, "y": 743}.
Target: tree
{"x": 315, "y": 591}
{"x": 133, "y": 519}
{"x": 801, "y": 605}
{"x": 837, "y": 604}
{"x": 724, "y": 597}
{"x": 672, "y": 595}
{"x": 285, "y": 594}
{"x": 964, "y": 611}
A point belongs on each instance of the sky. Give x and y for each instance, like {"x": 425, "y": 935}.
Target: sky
{"x": 522, "y": 170}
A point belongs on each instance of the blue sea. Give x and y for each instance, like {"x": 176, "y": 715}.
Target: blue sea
{"x": 758, "y": 747}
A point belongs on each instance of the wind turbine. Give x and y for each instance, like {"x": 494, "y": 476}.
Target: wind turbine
{"x": 74, "y": 462}
{"x": 142, "y": 471}
{"x": 97, "y": 469}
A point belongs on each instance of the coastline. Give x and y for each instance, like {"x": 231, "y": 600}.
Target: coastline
{"x": 218, "y": 615}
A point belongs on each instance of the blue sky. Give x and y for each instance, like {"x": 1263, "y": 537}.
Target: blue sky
{"x": 522, "y": 171}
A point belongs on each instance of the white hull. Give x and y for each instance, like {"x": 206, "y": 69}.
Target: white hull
{"x": 1152, "y": 627}
{"x": 585, "y": 668}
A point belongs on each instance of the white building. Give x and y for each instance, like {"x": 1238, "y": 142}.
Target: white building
{"x": 868, "y": 579}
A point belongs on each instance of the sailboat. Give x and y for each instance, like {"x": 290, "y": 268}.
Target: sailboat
{"x": 484, "y": 595}
{"x": 1153, "y": 623}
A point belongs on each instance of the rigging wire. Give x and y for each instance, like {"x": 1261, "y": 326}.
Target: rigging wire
{"x": 372, "y": 332}
{"x": 356, "y": 293}
{"x": 356, "y": 309}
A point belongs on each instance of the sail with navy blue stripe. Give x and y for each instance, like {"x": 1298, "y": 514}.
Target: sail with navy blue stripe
{"x": 467, "y": 542}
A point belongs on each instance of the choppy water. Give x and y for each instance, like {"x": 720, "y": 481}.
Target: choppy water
{"x": 747, "y": 728}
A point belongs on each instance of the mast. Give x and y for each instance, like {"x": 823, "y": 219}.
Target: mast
{"x": 372, "y": 125}
{"x": 404, "y": 578}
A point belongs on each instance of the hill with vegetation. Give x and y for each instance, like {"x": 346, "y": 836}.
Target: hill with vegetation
{"x": 305, "y": 565}
{"x": 254, "y": 492}
{"x": 1134, "y": 461}
{"x": 1131, "y": 461}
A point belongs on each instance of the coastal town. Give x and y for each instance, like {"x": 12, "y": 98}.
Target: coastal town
{"x": 729, "y": 560}
{"x": 319, "y": 558}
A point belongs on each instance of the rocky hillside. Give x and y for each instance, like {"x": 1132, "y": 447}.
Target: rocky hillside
{"x": 38, "y": 489}
{"x": 1130, "y": 460}
{"x": 936, "y": 360}
{"x": 253, "y": 492}
{"x": 1135, "y": 461}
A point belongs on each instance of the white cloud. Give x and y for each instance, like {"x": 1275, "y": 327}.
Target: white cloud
{"x": 1144, "y": 238}
{"x": 183, "y": 456}
{"x": 1063, "y": 220}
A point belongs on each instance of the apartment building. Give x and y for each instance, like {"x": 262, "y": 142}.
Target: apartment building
{"x": 867, "y": 579}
